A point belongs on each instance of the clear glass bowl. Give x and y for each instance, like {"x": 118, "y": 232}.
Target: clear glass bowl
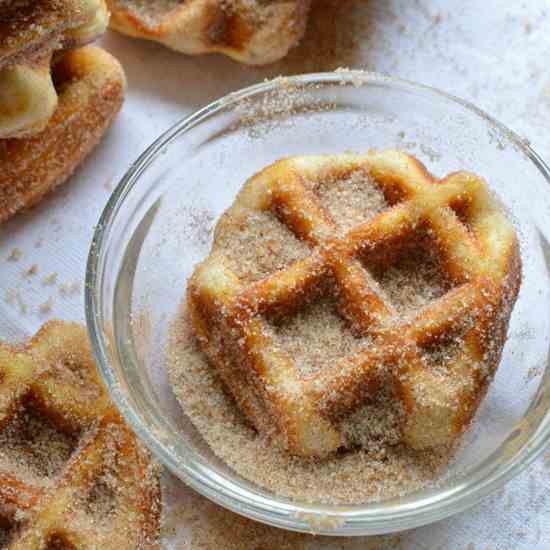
{"x": 149, "y": 239}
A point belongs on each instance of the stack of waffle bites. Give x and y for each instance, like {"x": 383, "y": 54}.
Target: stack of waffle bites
{"x": 58, "y": 95}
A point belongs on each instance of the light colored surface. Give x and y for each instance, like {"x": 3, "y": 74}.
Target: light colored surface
{"x": 493, "y": 53}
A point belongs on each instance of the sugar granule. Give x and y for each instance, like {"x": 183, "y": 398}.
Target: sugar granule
{"x": 15, "y": 255}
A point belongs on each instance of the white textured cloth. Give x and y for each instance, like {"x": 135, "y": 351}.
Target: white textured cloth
{"x": 494, "y": 53}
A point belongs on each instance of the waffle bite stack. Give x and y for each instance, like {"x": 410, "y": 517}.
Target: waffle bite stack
{"x": 58, "y": 96}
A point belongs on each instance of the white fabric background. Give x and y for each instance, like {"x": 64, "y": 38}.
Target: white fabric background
{"x": 492, "y": 52}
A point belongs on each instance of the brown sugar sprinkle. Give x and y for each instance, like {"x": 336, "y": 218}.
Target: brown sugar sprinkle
{"x": 13, "y": 297}
{"x": 385, "y": 469}
{"x": 258, "y": 245}
{"x": 69, "y": 289}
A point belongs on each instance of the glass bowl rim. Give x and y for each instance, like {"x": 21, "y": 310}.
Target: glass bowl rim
{"x": 341, "y": 520}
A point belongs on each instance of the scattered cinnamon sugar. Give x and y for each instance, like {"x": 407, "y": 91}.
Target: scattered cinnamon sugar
{"x": 413, "y": 279}
{"x": 211, "y": 527}
{"x": 69, "y": 289}
{"x": 533, "y": 373}
{"x": 390, "y": 470}
{"x": 376, "y": 425}
{"x": 50, "y": 279}
{"x": 47, "y": 306}
{"x": 32, "y": 270}
{"x": 13, "y": 297}
{"x": 15, "y": 255}
{"x": 285, "y": 99}
{"x": 198, "y": 224}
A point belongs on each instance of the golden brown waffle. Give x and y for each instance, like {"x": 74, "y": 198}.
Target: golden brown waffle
{"x": 30, "y": 34}
{"x": 91, "y": 85}
{"x": 251, "y": 31}
{"x": 72, "y": 476}
{"x": 366, "y": 266}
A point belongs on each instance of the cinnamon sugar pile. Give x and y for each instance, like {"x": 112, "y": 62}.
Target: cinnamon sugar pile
{"x": 385, "y": 469}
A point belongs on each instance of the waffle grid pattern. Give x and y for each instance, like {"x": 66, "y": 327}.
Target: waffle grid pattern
{"x": 476, "y": 248}
{"x": 106, "y": 493}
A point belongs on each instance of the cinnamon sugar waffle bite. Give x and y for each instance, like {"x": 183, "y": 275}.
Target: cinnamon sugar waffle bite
{"x": 255, "y": 32}
{"x": 72, "y": 476}
{"x": 90, "y": 83}
{"x": 335, "y": 279}
{"x": 31, "y": 35}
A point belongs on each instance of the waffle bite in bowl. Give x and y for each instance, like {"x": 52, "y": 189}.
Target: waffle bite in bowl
{"x": 72, "y": 475}
{"x": 255, "y": 32}
{"x": 334, "y": 279}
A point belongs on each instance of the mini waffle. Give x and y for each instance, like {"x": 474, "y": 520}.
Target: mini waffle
{"x": 30, "y": 34}
{"x": 71, "y": 473}
{"x": 367, "y": 266}
{"x": 251, "y": 31}
{"x": 91, "y": 84}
